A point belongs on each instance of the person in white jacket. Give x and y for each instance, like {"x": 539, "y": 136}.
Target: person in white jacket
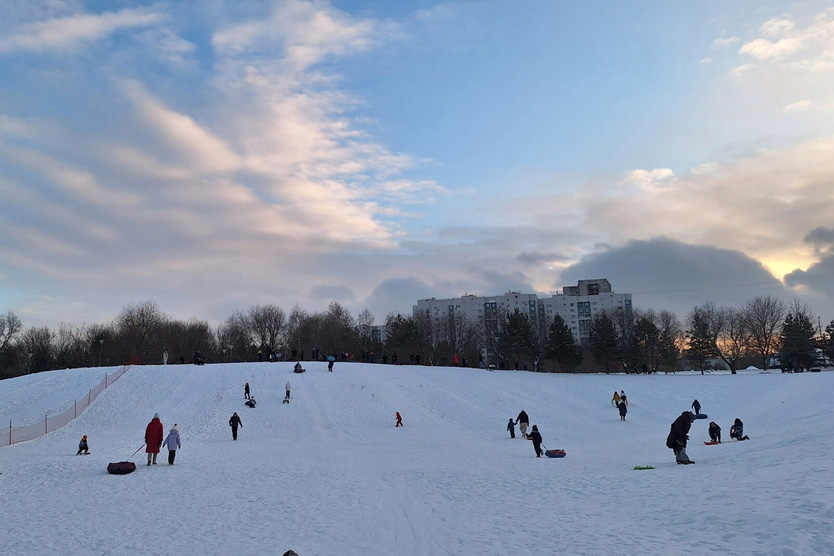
{"x": 173, "y": 443}
{"x": 287, "y": 388}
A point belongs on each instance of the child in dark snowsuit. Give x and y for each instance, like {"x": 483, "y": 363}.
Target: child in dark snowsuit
{"x": 714, "y": 432}
{"x": 737, "y": 430}
{"x": 511, "y": 427}
{"x": 537, "y": 440}
{"x": 82, "y": 446}
{"x": 623, "y": 410}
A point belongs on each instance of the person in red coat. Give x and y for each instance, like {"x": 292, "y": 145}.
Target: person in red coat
{"x": 153, "y": 438}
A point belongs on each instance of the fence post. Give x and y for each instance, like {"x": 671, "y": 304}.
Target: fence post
{"x": 105, "y": 379}
{"x": 90, "y": 393}
{"x": 45, "y": 424}
{"x": 75, "y": 409}
{"x": 10, "y": 432}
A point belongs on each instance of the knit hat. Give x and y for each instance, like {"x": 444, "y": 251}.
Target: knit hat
{"x": 156, "y": 415}
{"x": 84, "y": 437}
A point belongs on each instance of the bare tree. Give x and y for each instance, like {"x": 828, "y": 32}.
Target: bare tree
{"x": 10, "y": 327}
{"x": 139, "y": 325}
{"x": 733, "y": 340}
{"x": 763, "y": 316}
{"x": 35, "y": 346}
{"x": 267, "y": 324}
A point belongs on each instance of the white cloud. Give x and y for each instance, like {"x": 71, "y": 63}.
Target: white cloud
{"x": 724, "y": 42}
{"x": 68, "y": 33}
{"x": 799, "y": 106}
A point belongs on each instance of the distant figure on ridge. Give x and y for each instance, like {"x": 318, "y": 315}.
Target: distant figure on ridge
{"x": 246, "y": 391}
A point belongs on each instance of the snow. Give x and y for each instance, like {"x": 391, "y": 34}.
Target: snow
{"x": 329, "y": 473}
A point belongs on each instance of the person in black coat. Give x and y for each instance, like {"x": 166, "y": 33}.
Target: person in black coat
{"x": 696, "y": 405}
{"x": 737, "y": 430}
{"x": 537, "y": 440}
{"x": 679, "y": 434}
{"x": 511, "y": 427}
{"x": 234, "y": 422}
{"x": 522, "y": 421}
{"x": 714, "y": 432}
{"x": 623, "y": 410}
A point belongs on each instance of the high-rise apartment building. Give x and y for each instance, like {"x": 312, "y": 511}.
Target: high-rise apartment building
{"x": 577, "y": 306}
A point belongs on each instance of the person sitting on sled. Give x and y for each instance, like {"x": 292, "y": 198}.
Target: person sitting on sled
{"x": 298, "y": 368}
{"x": 737, "y": 430}
{"x": 250, "y": 402}
{"x": 536, "y": 437}
{"x": 82, "y": 446}
{"x": 714, "y": 432}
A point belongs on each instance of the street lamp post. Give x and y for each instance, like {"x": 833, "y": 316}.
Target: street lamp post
{"x": 100, "y": 346}
{"x": 29, "y": 364}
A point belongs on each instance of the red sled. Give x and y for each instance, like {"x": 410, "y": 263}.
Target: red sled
{"x": 121, "y": 468}
{"x": 555, "y": 453}
{"x": 710, "y": 443}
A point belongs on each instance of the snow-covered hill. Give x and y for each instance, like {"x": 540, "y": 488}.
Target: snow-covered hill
{"x": 329, "y": 474}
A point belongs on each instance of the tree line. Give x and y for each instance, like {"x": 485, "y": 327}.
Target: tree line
{"x": 617, "y": 341}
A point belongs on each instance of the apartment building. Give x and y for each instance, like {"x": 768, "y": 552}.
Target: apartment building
{"x": 577, "y": 306}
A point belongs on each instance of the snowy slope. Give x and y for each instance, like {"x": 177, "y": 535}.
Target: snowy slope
{"x": 330, "y": 474}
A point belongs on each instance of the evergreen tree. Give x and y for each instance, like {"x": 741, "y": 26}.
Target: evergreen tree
{"x": 797, "y": 338}
{"x": 517, "y": 338}
{"x": 562, "y": 347}
{"x": 602, "y": 338}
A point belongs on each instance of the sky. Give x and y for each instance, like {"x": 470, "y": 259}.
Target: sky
{"x": 329, "y": 473}
{"x": 215, "y": 156}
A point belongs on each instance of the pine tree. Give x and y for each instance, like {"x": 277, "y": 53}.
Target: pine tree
{"x": 797, "y": 339}
{"x": 561, "y": 346}
{"x": 603, "y": 339}
{"x": 517, "y": 337}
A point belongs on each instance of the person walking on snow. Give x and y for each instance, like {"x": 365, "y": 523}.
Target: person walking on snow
{"x": 399, "y": 420}
{"x": 330, "y": 365}
{"x": 679, "y": 434}
{"x": 623, "y": 410}
{"x": 82, "y": 446}
{"x": 246, "y": 391}
{"x": 522, "y": 421}
{"x": 172, "y": 441}
{"x": 623, "y": 397}
{"x": 537, "y": 440}
{"x": 511, "y": 427}
{"x": 234, "y": 422}
{"x": 153, "y": 438}
{"x": 287, "y": 389}
{"x": 615, "y": 401}
{"x": 165, "y": 357}
{"x": 696, "y": 405}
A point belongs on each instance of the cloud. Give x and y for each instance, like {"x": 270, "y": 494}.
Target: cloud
{"x": 665, "y": 274}
{"x": 69, "y": 33}
{"x": 724, "y": 42}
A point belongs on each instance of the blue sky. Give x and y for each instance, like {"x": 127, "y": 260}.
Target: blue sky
{"x": 213, "y": 156}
